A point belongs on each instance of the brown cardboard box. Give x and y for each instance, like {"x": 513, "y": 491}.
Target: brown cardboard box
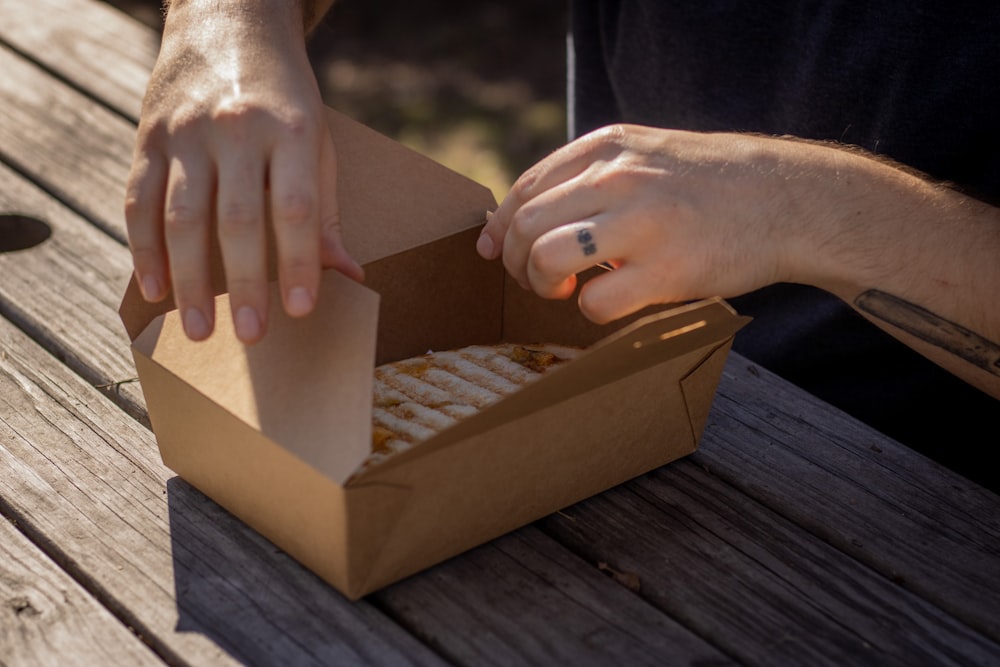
{"x": 277, "y": 432}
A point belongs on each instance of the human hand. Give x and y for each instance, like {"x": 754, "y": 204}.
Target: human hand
{"x": 679, "y": 215}
{"x": 233, "y": 127}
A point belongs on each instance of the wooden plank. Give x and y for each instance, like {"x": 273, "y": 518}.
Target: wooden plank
{"x": 755, "y": 584}
{"x": 85, "y": 482}
{"x": 91, "y": 44}
{"x": 61, "y": 139}
{"x": 523, "y": 600}
{"x": 46, "y": 618}
{"x": 66, "y": 291}
{"x": 917, "y": 523}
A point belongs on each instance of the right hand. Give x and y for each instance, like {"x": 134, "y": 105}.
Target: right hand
{"x": 233, "y": 125}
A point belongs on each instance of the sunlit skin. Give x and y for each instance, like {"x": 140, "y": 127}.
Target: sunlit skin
{"x": 684, "y": 215}
{"x": 232, "y": 123}
{"x": 680, "y": 215}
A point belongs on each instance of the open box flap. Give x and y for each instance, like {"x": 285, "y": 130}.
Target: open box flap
{"x": 306, "y": 386}
{"x": 644, "y": 343}
{"x": 393, "y": 198}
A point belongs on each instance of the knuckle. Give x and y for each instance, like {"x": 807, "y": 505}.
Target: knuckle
{"x": 299, "y": 268}
{"x": 522, "y": 222}
{"x": 543, "y": 258}
{"x": 133, "y": 205}
{"x": 528, "y": 181}
{"x": 296, "y": 209}
{"x": 607, "y": 137}
{"x": 238, "y": 219}
{"x": 604, "y": 179}
{"x": 181, "y": 220}
{"x": 332, "y": 223}
{"x": 235, "y": 118}
{"x": 594, "y": 306}
{"x": 145, "y": 258}
{"x": 615, "y": 133}
{"x": 232, "y": 111}
{"x": 185, "y": 122}
{"x": 243, "y": 287}
{"x": 297, "y": 124}
{"x": 187, "y": 288}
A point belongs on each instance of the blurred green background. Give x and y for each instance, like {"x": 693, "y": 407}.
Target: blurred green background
{"x": 478, "y": 86}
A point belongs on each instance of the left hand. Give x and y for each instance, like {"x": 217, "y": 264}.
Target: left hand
{"x": 680, "y": 216}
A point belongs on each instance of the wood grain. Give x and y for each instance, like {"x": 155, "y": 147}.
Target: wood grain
{"x": 46, "y": 618}
{"x": 75, "y": 149}
{"x": 84, "y": 482}
{"x": 90, "y": 44}
{"x": 756, "y": 585}
{"x": 66, "y": 292}
{"x": 910, "y": 519}
{"x": 522, "y": 599}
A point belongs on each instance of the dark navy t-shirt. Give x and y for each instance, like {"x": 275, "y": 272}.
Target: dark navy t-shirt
{"x": 915, "y": 80}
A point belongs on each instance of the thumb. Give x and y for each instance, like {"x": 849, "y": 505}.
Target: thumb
{"x": 333, "y": 252}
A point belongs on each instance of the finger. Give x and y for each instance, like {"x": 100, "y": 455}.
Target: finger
{"x": 144, "y": 200}
{"x": 565, "y": 204}
{"x": 565, "y": 164}
{"x": 242, "y": 238}
{"x": 615, "y": 294}
{"x": 187, "y": 219}
{"x": 558, "y": 255}
{"x": 333, "y": 253}
{"x": 295, "y": 214}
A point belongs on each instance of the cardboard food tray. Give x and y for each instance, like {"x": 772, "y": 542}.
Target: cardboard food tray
{"x": 278, "y": 432}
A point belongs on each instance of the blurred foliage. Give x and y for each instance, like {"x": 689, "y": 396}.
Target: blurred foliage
{"x": 478, "y": 86}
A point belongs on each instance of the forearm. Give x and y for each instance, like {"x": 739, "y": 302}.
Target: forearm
{"x": 233, "y": 143}
{"x": 308, "y": 13}
{"x": 918, "y": 259}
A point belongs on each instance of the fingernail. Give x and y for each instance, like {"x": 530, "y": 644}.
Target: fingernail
{"x": 299, "y": 301}
{"x": 485, "y": 247}
{"x": 247, "y": 324}
{"x": 195, "y": 324}
{"x": 151, "y": 288}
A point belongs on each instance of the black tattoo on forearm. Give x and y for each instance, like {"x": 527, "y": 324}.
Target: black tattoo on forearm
{"x": 586, "y": 241}
{"x": 931, "y": 328}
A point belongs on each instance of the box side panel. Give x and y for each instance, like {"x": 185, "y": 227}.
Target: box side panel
{"x": 700, "y": 384}
{"x": 483, "y": 487}
{"x": 392, "y": 198}
{"x": 439, "y": 296}
{"x": 528, "y": 318}
{"x": 274, "y": 492}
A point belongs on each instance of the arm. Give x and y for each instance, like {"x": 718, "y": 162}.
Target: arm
{"x": 685, "y": 215}
{"x": 233, "y": 124}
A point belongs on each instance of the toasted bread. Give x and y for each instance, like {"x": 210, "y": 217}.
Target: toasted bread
{"x": 417, "y": 398}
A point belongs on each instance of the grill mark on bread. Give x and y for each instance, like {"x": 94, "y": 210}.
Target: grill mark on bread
{"x": 455, "y": 385}
{"x": 417, "y": 398}
{"x": 483, "y": 371}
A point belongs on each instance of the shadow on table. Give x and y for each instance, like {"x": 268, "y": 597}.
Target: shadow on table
{"x": 256, "y": 603}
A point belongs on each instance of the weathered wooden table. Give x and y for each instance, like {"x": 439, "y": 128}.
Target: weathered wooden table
{"x": 794, "y": 536}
